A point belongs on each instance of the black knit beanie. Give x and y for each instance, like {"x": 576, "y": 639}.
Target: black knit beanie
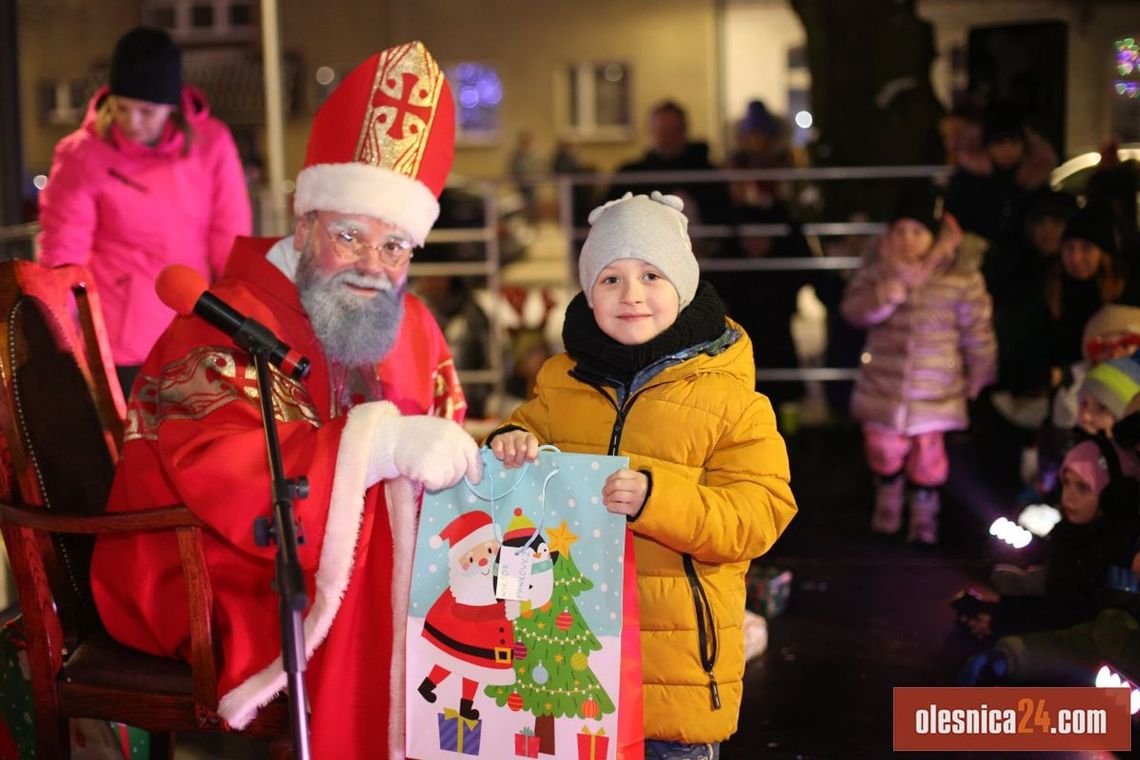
{"x": 920, "y": 202}
{"x": 1002, "y": 121}
{"x": 1093, "y": 223}
{"x": 147, "y": 65}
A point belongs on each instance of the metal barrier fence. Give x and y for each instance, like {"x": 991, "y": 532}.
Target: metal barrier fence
{"x": 18, "y": 240}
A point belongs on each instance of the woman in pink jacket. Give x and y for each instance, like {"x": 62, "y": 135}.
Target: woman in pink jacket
{"x": 149, "y": 179}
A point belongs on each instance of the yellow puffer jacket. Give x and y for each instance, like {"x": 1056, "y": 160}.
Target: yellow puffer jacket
{"x": 720, "y": 493}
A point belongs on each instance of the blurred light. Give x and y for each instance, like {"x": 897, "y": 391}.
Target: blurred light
{"x": 288, "y": 186}
{"x": 1010, "y": 532}
{"x": 1107, "y": 679}
{"x": 468, "y": 97}
{"x": 325, "y": 75}
{"x": 803, "y": 119}
{"x": 40, "y": 181}
{"x": 490, "y": 89}
{"x": 614, "y": 72}
{"x": 1128, "y": 89}
{"x": 1039, "y": 519}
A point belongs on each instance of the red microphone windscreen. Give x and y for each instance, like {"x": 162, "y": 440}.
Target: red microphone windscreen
{"x": 180, "y": 287}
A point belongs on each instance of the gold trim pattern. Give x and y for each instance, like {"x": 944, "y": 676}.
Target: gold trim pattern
{"x": 204, "y": 381}
{"x": 401, "y": 109}
{"x": 447, "y": 395}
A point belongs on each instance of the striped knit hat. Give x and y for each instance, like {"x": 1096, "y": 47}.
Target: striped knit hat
{"x": 1113, "y": 384}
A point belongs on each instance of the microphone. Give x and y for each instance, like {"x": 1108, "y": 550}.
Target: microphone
{"x": 184, "y": 290}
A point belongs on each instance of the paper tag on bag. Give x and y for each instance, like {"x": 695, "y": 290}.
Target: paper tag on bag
{"x": 514, "y": 572}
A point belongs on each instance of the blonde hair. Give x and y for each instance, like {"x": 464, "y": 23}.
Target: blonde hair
{"x": 104, "y": 117}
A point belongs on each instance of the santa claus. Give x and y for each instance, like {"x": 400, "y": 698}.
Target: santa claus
{"x": 467, "y": 627}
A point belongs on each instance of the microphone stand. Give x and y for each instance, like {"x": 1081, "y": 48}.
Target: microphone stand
{"x": 289, "y": 581}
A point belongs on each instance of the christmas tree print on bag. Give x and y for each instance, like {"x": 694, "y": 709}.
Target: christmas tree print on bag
{"x": 518, "y": 602}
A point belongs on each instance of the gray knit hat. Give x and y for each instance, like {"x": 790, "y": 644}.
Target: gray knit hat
{"x": 649, "y": 228}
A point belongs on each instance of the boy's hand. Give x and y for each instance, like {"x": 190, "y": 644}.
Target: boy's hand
{"x": 624, "y": 492}
{"x": 515, "y": 447}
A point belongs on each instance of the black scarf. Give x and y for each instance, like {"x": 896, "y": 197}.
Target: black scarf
{"x": 600, "y": 355}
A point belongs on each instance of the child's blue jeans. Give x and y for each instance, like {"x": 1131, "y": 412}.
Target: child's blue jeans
{"x": 662, "y": 750}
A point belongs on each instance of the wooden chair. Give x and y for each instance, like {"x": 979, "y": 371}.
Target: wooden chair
{"x": 61, "y": 421}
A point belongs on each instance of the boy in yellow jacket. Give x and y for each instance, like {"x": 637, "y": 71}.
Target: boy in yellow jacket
{"x": 655, "y": 371}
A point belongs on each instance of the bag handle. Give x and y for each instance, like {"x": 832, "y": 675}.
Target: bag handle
{"x": 518, "y": 481}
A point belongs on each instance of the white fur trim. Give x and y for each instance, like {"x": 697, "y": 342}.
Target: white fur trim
{"x": 346, "y": 507}
{"x": 403, "y": 514}
{"x": 357, "y": 188}
{"x": 470, "y": 541}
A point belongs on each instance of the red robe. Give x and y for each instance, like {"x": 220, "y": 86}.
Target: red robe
{"x": 472, "y": 640}
{"x": 194, "y": 436}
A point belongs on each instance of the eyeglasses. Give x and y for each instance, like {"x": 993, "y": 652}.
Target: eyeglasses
{"x": 394, "y": 251}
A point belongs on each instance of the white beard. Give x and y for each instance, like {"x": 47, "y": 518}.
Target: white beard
{"x": 353, "y": 331}
{"x": 476, "y": 587}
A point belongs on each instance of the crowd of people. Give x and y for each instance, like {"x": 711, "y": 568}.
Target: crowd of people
{"x": 993, "y": 295}
{"x": 1061, "y": 272}
{"x": 990, "y": 295}
{"x": 378, "y": 417}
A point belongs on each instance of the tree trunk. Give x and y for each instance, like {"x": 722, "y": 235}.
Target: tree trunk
{"x": 544, "y": 730}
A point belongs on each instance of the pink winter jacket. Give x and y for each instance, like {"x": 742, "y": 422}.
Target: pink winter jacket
{"x": 126, "y": 210}
{"x": 924, "y": 357}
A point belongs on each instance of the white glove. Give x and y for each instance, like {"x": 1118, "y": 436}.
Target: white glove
{"x": 430, "y": 450}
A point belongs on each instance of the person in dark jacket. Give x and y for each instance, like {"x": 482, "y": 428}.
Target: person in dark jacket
{"x": 993, "y": 203}
{"x": 1085, "y": 278}
{"x": 1090, "y": 581}
{"x": 671, "y": 151}
{"x": 1097, "y": 531}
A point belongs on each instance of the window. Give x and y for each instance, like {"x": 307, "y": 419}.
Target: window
{"x": 478, "y": 93}
{"x": 240, "y": 14}
{"x": 64, "y": 101}
{"x": 202, "y": 21}
{"x": 598, "y": 100}
{"x": 164, "y": 17}
{"x": 202, "y": 16}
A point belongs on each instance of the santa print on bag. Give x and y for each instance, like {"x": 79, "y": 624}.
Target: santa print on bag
{"x": 467, "y": 627}
{"x": 510, "y": 624}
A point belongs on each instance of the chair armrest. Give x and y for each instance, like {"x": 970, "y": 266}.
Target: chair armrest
{"x": 21, "y": 519}
{"x": 38, "y": 518}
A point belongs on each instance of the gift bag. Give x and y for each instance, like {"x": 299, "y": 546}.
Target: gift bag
{"x": 522, "y": 626}
{"x": 768, "y": 590}
{"x": 91, "y": 739}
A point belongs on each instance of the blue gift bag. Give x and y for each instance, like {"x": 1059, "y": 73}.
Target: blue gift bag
{"x": 516, "y": 611}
